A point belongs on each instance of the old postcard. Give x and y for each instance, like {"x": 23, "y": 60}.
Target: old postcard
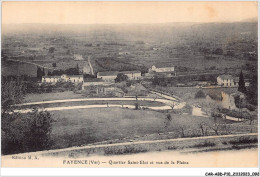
{"x": 129, "y": 84}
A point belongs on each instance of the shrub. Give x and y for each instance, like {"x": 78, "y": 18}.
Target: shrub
{"x": 200, "y": 94}
{"x": 169, "y": 117}
{"x": 250, "y": 107}
{"x": 215, "y": 95}
{"x": 124, "y": 150}
{"x": 237, "y": 100}
{"x": 26, "y": 132}
{"x": 244, "y": 104}
{"x": 121, "y": 77}
{"x": 234, "y": 113}
{"x": 243, "y": 140}
{"x": 204, "y": 144}
{"x": 78, "y": 87}
{"x": 136, "y": 106}
{"x": 51, "y": 49}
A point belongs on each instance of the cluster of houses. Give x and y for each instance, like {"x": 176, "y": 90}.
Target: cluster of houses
{"x": 104, "y": 77}
{"x": 104, "y": 82}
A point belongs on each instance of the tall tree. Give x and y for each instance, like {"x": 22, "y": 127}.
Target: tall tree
{"x": 78, "y": 68}
{"x": 252, "y": 92}
{"x": 43, "y": 72}
{"x": 241, "y": 83}
{"x": 12, "y": 92}
{"x": 168, "y": 120}
{"x": 39, "y": 73}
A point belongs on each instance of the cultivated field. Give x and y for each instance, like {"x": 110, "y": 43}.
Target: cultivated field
{"x": 113, "y": 125}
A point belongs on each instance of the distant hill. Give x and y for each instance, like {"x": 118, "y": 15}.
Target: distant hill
{"x": 154, "y": 32}
{"x": 189, "y": 45}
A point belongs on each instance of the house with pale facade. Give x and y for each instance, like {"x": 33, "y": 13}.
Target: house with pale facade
{"x": 230, "y": 81}
{"x": 72, "y": 78}
{"x": 162, "y": 67}
{"x": 225, "y": 80}
{"x": 63, "y": 78}
{"x": 133, "y": 75}
{"x": 89, "y": 82}
{"x": 78, "y": 57}
{"x": 50, "y": 79}
{"x": 110, "y": 76}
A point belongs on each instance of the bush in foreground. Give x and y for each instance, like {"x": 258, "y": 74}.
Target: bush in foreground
{"x": 25, "y": 132}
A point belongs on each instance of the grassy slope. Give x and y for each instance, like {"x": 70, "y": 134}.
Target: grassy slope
{"x": 83, "y": 126}
{"x": 51, "y": 96}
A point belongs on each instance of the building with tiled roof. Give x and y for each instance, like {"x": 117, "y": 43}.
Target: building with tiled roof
{"x": 107, "y": 73}
{"x": 225, "y": 80}
{"x": 88, "y": 82}
{"x": 111, "y": 75}
{"x": 50, "y": 79}
{"x": 72, "y": 78}
{"x": 63, "y": 78}
{"x": 133, "y": 75}
{"x": 162, "y": 67}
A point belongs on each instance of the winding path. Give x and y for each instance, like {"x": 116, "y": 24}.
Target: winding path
{"x": 168, "y": 104}
{"x": 91, "y": 68}
{"x": 99, "y": 99}
{"x": 196, "y": 111}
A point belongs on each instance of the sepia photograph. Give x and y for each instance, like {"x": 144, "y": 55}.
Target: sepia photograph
{"x": 129, "y": 84}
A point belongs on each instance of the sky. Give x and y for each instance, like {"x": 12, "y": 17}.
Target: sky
{"x": 126, "y": 12}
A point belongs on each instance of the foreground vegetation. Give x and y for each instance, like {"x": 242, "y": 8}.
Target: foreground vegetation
{"x": 113, "y": 125}
{"x": 22, "y": 132}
